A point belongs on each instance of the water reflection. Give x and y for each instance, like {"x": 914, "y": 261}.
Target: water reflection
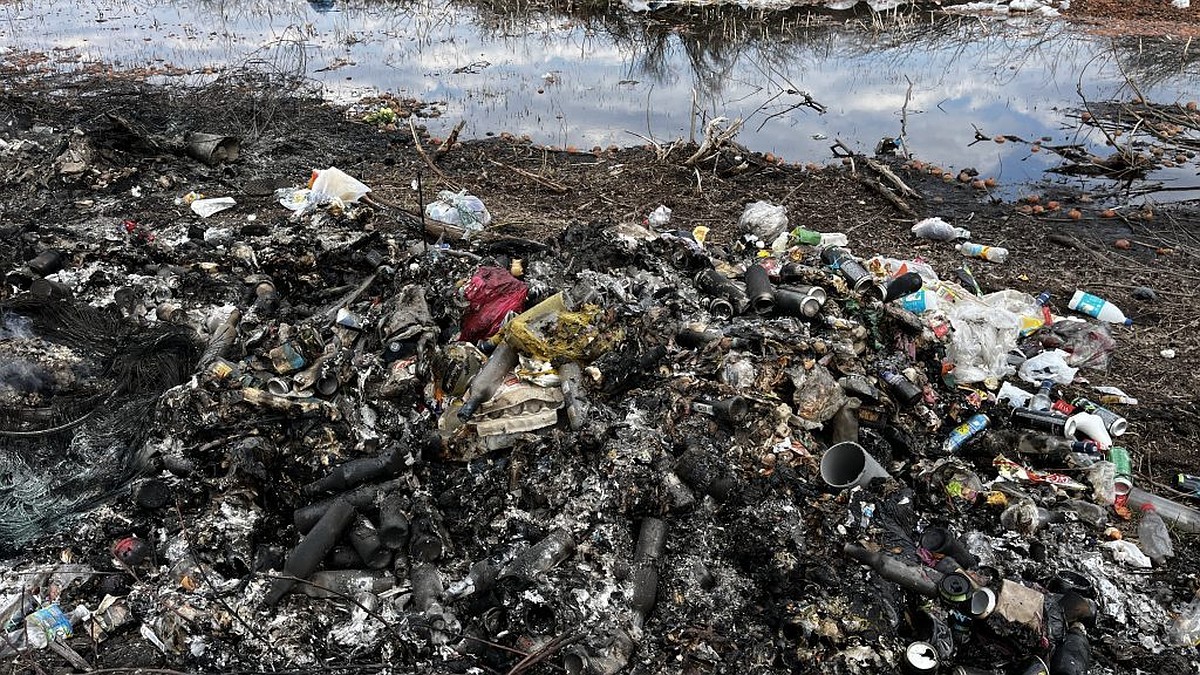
{"x": 574, "y": 74}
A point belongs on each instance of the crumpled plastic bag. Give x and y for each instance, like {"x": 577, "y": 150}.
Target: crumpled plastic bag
{"x": 1088, "y": 344}
{"x": 764, "y": 220}
{"x": 491, "y": 293}
{"x": 1049, "y": 365}
{"x": 461, "y": 209}
{"x": 984, "y": 332}
{"x": 818, "y": 396}
{"x": 334, "y": 183}
{"x": 1127, "y": 552}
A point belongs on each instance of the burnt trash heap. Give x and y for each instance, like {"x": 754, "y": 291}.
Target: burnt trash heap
{"x": 337, "y": 440}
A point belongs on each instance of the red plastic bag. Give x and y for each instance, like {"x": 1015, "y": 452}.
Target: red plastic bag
{"x": 492, "y": 293}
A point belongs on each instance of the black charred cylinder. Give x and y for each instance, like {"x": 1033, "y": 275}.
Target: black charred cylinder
{"x": 394, "y": 527}
{"x": 851, "y": 269}
{"x": 712, "y": 282}
{"x": 356, "y": 472}
{"x": 902, "y": 285}
{"x": 943, "y": 542}
{"x": 794, "y": 303}
{"x": 365, "y": 540}
{"x": 307, "y": 556}
{"x": 759, "y": 290}
{"x": 1073, "y": 656}
{"x": 540, "y": 557}
{"x": 705, "y": 473}
{"x": 44, "y": 288}
{"x": 427, "y": 539}
{"x": 646, "y": 558}
{"x": 344, "y": 557}
{"x": 692, "y": 338}
{"x": 365, "y": 497}
{"x": 732, "y": 409}
{"x": 485, "y": 383}
{"x": 46, "y": 262}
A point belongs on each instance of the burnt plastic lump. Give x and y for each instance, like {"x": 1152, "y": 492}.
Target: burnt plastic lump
{"x": 706, "y": 473}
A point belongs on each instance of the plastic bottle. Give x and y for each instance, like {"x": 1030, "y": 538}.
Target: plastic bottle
{"x": 1153, "y": 536}
{"x": 939, "y": 230}
{"x": 51, "y": 623}
{"x": 806, "y": 236}
{"x": 1086, "y": 303}
{"x": 1041, "y": 400}
{"x": 1180, "y": 517}
{"x": 994, "y": 254}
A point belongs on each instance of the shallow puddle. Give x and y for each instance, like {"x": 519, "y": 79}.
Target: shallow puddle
{"x": 617, "y": 77}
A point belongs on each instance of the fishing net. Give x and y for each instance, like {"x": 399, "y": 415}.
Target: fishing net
{"x": 77, "y": 401}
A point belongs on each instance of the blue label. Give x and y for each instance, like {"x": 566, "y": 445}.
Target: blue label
{"x": 915, "y": 302}
{"x": 1090, "y": 304}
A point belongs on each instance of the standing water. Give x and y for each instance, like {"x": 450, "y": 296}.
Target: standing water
{"x": 947, "y": 84}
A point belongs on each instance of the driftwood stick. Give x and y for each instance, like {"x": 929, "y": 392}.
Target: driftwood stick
{"x": 450, "y": 140}
{"x": 425, "y": 156}
{"x": 556, "y": 188}
{"x": 886, "y": 171}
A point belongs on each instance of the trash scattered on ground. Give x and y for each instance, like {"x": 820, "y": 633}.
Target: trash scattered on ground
{"x": 337, "y": 434}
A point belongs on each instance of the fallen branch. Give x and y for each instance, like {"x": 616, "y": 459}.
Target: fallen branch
{"x": 450, "y": 140}
{"x": 715, "y": 137}
{"x": 425, "y": 156}
{"x": 556, "y": 188}
{"x": 886, "y": 171}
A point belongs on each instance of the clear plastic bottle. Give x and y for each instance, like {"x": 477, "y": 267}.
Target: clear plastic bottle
{"x": 1041, "y": 400}
{"x": 994, "y": 254}
{"x": 1153, "y": 536}
{"x": 1180, "y": 517}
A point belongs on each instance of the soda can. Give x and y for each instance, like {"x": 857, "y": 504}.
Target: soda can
{"x": 965, "y": 431}
{"x": 1123, "y": 482}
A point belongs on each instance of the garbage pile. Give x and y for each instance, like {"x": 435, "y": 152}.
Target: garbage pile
{"x": 325, "y": 439}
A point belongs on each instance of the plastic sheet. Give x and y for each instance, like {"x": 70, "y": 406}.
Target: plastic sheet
{"x": 492, "y": 293}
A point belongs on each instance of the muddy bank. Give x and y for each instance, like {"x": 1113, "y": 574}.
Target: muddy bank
{"x": 538, "y": 555}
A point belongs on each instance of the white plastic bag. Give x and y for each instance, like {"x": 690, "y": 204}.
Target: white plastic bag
{"x": 983, "y": 336}
{"x": 461, "y": 209}
{"x": 1049, "y": 365}
{"x": 1127, "y": 552}
{"x": 764, "y": 220}
{"x": 337, "y": 184}
{"x": 659, "y": 217}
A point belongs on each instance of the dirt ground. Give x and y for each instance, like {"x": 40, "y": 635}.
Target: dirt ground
{"x": 1069, "y": 241}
